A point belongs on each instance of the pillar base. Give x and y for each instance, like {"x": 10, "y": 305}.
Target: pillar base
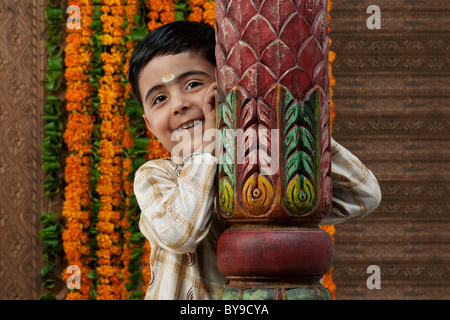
{"x": 269, "y": 289}
{"x": 275, "y": 263}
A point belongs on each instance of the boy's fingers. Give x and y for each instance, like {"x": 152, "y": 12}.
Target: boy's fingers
{"x": 213, "y": 86}
{"x": 211, "y": 96}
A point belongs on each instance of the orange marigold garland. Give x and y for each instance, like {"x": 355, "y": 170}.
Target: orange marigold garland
{"x": 116, "y": 131}
{"x": 331, "y": 58}
{"x": 202, "y": 11}
{"x": 209, "y": 13}
{"x": 129, "y": 248}
{"x": 76, "y": 206}
{"x": 131, "y": 9}
{"x": 327, "y": 279}
{"x": 160, "y": 12}
{"x": 155, "y": 151}
{"x": 196, "y": 13}
{"x": 109, "y": 183}
{"x": 126, "y": 256}
{"x": 146, "y": 271}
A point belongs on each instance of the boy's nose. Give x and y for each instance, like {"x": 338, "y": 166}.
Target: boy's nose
{"x": 180, "y": 105}
{"x": 179, "y": 108}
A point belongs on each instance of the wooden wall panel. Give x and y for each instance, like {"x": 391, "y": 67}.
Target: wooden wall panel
{"x": 22, "y": 69}
{"x": 393, "y": 111}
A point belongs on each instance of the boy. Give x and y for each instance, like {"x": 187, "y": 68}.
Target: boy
{"x": 172, "y": 73}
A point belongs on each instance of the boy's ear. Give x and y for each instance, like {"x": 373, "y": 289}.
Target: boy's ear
{"x": 147, "y": 123}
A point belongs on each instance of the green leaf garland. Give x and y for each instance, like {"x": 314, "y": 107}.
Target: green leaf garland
{"x": 51, "y": 147}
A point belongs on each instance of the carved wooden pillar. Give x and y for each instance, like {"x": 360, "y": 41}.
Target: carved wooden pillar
{"x": 274, "y": 175}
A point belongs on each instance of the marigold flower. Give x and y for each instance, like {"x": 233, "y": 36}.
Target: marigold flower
{"x": 152, "y": 25}
{"x": 153, "y": 15}
{"x": 103, "y": 241}
{"x": 73, "y": 295}
{"x": 106, "y": 227}
{"x": 196, "y": 14}
{"x": 155, "y": 5}
{"x": 105, "y": 215}
{"x": 116, "y": 250}
{"x": 75, "y": 73}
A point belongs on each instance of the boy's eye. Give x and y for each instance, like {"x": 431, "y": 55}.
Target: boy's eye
{"x": 159, "y": 99}
{"x": 192, "y": 85}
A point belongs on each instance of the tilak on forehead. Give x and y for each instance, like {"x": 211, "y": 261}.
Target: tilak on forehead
{"x": 168, "y": 77}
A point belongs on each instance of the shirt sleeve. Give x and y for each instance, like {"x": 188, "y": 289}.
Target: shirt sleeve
{"x": 356, "y": 191}
{"x": 176, "y": 200}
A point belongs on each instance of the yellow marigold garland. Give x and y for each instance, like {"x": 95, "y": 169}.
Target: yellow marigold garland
{"x": 76, "y": 206}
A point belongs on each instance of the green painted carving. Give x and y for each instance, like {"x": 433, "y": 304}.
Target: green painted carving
{"x": 258, "y": 294}
{"x": 301, "y": 153}
{"x": 318, "y": 292}
{"x": 230, "y": 294}
{"x": 227, "y": 167}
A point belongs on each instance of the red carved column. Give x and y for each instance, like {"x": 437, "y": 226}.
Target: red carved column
{"x": 274, "y": 174}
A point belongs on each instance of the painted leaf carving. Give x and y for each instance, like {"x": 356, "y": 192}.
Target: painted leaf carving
{"x": 263, "y": 39}
{"x": 276, "y": 12}
{"x": 300, "y": 154}
{"x": 272, "y": 57}
{"x": 300, "y": 161}
{"x": 226, "y": 197}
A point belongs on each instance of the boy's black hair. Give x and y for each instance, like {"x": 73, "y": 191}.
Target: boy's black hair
{"x": 170, "y": 39}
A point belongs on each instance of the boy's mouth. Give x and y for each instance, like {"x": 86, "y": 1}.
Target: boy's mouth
{"x": 188, "y": 125}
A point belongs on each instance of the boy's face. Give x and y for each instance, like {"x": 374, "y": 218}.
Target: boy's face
{"x": 172, "y": 88}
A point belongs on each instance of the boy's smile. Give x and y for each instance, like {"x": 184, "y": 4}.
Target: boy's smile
{"x": 172, "y": 88}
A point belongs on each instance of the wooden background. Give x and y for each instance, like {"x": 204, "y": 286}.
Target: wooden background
{"x": 22, "y": 94}
{"x": 392, "y": 110}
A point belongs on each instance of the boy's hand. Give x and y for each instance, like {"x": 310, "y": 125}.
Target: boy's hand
{"x": 209, "y": 106}
{"x": 209, "y": 110}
